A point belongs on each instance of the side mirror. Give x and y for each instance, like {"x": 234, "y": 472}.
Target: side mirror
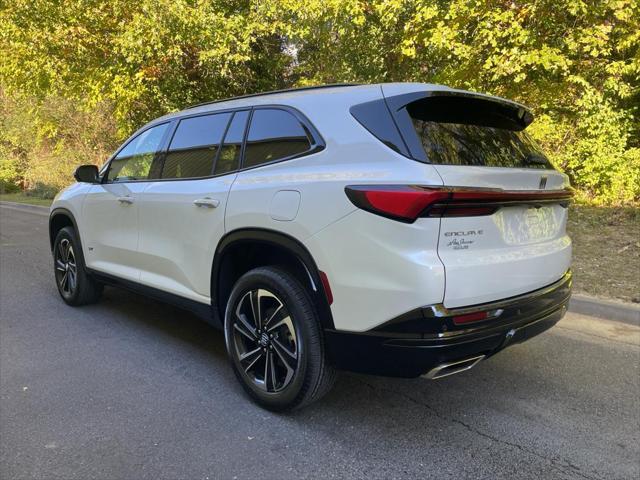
{"x": 86, "y": 174}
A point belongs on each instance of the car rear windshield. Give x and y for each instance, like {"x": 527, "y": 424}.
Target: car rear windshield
{"x": 455, "y": 131}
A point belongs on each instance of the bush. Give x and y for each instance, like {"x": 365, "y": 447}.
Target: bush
{"x": 42, "y": 142}
{"x": 594, "y": 149}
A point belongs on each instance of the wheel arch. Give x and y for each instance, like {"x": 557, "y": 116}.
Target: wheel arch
{"x": 60, "y": 218}
{"x": 244, "y": 249}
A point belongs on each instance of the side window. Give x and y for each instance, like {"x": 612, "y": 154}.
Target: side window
{"x": 194, "y": 146}
{"x": 274, "y": 134}
{"x": 138, "y": 159}
{"x": 230, "y": 151}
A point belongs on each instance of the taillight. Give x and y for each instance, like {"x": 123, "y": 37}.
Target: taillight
{"x": 408, "y": 202}
{"x": 399, "y": 202}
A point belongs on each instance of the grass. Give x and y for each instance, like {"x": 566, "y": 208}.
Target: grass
{"x": 606, "y": 248}
{"x": 606, "y": 251}
{"x": 24, "y": 198}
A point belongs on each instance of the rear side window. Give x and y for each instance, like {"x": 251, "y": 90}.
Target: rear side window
{"x": 229, "y": 157}
{"x": 464, "y": 131}
{"x": 138, "y": 160}
{"x": 194, "y": 146}
{"x": 274, "y": 134}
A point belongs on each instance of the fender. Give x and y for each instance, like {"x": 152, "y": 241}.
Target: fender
{"x": 278, "y": 239}
{"x": 67, "y": 213}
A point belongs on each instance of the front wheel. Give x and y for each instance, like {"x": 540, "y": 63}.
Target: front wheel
{"x": 75, "y": 285}
{"x": 274, "y": 340}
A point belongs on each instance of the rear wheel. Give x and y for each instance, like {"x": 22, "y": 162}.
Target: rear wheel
{"x": 274, "y": 340}
{"x": 75, "y": 285}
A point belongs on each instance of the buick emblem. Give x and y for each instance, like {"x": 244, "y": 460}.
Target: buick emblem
{"x": 543, "y": 183}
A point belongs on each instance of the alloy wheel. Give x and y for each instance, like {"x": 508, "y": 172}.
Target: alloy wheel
{"x": 66, "y": 268}
{"x": 264, "y": 340}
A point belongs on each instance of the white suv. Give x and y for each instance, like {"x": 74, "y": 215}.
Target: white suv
{"x": 394, "y": 229}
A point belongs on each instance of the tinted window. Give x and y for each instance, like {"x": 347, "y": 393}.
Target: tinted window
{"x": 458, "y": 144}
{"x": 194, "y": 146}
{"x": 230, "y": 151}
{"x": 458, "y": 130}
{"x": 274, "y": 134}
{"x": 138, "y": 159}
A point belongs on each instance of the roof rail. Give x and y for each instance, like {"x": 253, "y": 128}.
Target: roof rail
{"x": 271, "y": 92}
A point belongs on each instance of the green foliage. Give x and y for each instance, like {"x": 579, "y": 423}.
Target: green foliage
{"x": 576, "y": 62}
{"x": 42, "y": 143}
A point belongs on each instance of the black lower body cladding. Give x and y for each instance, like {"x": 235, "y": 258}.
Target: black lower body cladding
{"x": 420, "y": 340}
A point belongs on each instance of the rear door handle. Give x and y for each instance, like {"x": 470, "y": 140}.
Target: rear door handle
{"x": 126, "y": 200}
{"x": 206, "y": 202}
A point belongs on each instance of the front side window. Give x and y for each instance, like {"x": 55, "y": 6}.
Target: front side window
{"x": 194, "y": 146}
{"x": 273, "y": 135}
{"x": 138, "y": 160}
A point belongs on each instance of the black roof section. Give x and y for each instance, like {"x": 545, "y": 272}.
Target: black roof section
{"x": 271, "y": 92}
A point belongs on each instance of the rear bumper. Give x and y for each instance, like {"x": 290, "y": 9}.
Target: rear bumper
{"x": 418, "y": 341}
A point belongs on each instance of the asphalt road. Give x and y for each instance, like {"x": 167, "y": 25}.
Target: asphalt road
{"x": 131, "y": 388}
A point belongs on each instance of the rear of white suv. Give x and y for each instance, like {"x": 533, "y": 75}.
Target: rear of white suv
{"x": 396, "y": 229}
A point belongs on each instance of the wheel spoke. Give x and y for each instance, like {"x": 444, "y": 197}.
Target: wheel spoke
{"x": 272, "y": 368}
{"x": 273, "y": 315}
{"x": 246, "y": 326}
{"x": 285, "y": 321}
{"x": 267, "y": 372}
{"x": 60, "y": 265}
{"x": 282, "y": 349}
{"x": 286, "y": 362}
{"x": 250, "y": 354}
{"x": 72, "y": 280}
{"x": 255, "y": 360}
{"x": 254, "y": 296}
{"x": 63, "y": 282}
{"x": 243, "y": 331}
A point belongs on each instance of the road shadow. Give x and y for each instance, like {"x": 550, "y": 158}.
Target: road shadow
{"x": 354, "y": 396}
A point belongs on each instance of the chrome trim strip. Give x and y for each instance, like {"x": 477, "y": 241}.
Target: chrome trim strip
{"x": 439, "y": 310}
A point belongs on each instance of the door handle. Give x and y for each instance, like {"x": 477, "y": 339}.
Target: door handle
{"x": 126, "y": 200}
{"x": 206, "y": 202}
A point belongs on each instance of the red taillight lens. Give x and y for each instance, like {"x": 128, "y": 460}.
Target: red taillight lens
{"x": 408, "y": 202}
{"x": 399, "y": 202}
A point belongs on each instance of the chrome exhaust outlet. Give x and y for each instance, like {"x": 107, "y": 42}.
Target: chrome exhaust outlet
{"x": 451, "y": 368}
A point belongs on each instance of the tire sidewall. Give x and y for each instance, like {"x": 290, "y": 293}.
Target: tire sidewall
{"x": 268, "y": 279}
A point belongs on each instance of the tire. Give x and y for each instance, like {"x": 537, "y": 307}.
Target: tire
{"x": 75, "y": 285}
{"x": 280, "y": 360}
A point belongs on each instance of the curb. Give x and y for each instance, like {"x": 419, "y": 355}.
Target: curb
{"x": 25, "y": 206}
{"x": 605, "y": 309}
{"x": 582, "y": 304}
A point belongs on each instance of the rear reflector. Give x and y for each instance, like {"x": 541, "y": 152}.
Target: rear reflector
{"x": 327, "y": 288}
{"x": 470, "y": 318}
{"x": 408, "y": 202}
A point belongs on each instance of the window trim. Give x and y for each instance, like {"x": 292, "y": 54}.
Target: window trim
{"x": 317, "y": 142}
{"x": 224, "y": 137}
